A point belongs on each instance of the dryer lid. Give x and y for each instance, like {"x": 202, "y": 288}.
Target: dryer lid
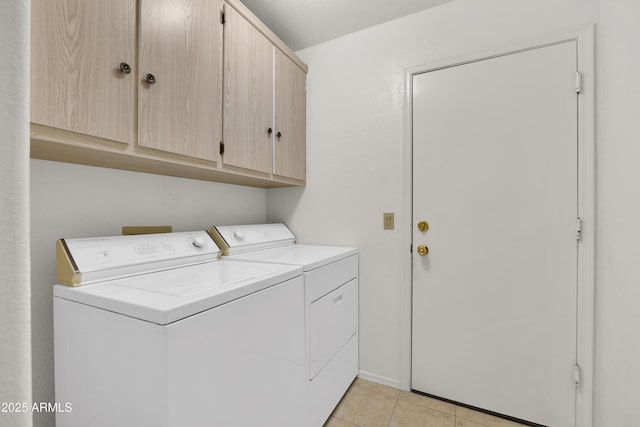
{"x": 309, "y": 257}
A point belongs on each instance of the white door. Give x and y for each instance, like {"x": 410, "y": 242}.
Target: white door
{"x": 495, "y": 177}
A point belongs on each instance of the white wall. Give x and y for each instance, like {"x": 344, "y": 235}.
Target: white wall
{"x": 82, "y": 201}
{"x": 618, "y": 197}
{"x": 355, "y": 167}
{"x": 356, "y": 143}
{"x": 15, "y": 329}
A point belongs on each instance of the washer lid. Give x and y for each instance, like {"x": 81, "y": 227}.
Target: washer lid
{"x": 307, "y": 256}
{"x": 167, "y": 296}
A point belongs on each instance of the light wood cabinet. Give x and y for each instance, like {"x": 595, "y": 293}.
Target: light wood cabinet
{"x": 248, "y": 96}
{"x": 265, "y": 104}
{"x": 289, "y": 158}
{"x": 76, "y": 51}
{"x": 162, "y": 86}
{"x": 180, "y": 90}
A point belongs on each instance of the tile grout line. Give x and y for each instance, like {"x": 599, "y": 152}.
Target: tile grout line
{"x": 395, "y": 405}
{"x": 455, "y": 415}
{"x": 397, "y": 396}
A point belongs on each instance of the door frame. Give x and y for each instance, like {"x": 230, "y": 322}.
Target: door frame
{"x": 584, "y": 38}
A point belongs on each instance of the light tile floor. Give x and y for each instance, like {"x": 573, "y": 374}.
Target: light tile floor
{"x": 368, "y": 404}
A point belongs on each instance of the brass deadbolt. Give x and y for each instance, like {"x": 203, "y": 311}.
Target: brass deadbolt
{"x": 423, "y": 250}
{"x": 423, "y": 226}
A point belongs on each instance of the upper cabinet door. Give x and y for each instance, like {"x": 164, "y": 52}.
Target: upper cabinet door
{"x": 248, "y": 95}
{"x": 180, "y": 77}
{"x": 290, "y": 130}
{"x": 77, "y": 81}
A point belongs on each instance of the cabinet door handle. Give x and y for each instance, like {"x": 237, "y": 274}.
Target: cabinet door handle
{"x": 125, "y": 68}
{"x": 279, "y": 135}
{"x": 269, "y": 131}
{"x": 150, "y": 79}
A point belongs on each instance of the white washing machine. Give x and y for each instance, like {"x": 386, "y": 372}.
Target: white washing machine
{"x": 157, "y": 331}
{"x": 331, "y": 304}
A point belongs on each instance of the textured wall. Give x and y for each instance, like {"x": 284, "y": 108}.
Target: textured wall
{"x": 355, "y": 167}
{"x": 15, "y": 344}
{"x": 356, "y": 147}
{"x": 618, "y": 199}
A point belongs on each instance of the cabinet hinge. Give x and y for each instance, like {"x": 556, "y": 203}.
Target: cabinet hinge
{"x": 222, "y": 17}
{"x": 221, "y": 148}
{"x": 577, "y": 374}
{"x": 578, "y": 228}
{"x": 578, "y": 82}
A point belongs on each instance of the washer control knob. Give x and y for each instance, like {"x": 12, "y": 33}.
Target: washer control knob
{"x": 198, "y": 243}
{"x": 239, "y": 236}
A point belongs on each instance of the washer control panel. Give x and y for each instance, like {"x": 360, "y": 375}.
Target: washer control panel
{"x": 199, "y": 243}
{"x": 101, "y": 253}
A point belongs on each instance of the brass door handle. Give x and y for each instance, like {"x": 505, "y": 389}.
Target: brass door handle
{"x": 423, "y": 226}
{"x": 423, "y": 250}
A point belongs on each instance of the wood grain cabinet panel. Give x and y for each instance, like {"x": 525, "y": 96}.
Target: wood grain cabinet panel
{"x": 181, "y": 47}
{"x": 163, "y": 77}
{"x": 290, "y": 119}
{"x": 264, "y": 90}
{"x": 248, "y": 95}
{"x": 76, "y": 50}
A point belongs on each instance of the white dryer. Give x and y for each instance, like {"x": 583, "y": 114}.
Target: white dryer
{"x": 156, "y": 331}
{"x": 331, "y": 304}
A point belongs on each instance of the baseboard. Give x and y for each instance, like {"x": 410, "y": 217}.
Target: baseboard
{"x": 379, "y": 379}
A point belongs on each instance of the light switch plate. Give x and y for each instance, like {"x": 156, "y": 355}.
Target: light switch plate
{"x": 388, "y": 221}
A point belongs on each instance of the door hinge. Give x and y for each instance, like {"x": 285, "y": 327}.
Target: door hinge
{"x": 221, "y": 148}
{"x": 577, "y": 374}
{"x": 411, "y": 248}
{"x": 578, "y": 82}
{"x": 222, "y": 17}
{"x": 578, "y": 228}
